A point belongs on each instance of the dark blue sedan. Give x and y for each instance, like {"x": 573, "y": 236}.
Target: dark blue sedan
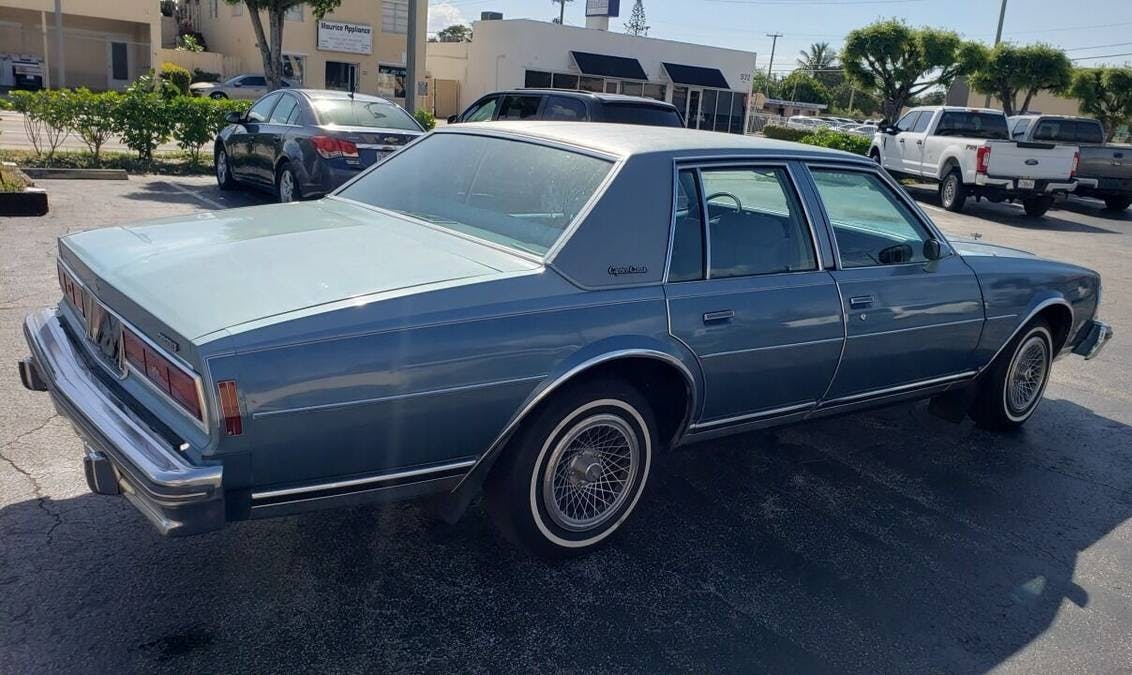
{"x": 303, "y": 143}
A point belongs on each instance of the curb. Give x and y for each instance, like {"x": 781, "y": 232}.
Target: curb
{"x": 81, "y": 174}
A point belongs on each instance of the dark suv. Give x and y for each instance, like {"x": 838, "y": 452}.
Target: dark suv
{"x": 566, "y": 104}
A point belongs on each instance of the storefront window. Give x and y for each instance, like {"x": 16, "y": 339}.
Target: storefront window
{"x": 611, "y": 86}
{"x": 707, "y": 109}
{"x": 537, "y": 78}
{"x": 294, "y": 67}
{"x": 632, "y": 88}
{"x": 563, "y": 81}
{"x": 391, "y": 81}
{"x": 738, "y": 108}
{"x": 589, "y": 83}
{"x": 723, "y": 111}
{"x": 395, "y": 16}
{"x": 656, "y": 91}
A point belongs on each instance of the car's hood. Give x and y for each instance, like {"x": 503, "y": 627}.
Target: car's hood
{"x": 209, "y": 271}
{"x": 971, "y": 247}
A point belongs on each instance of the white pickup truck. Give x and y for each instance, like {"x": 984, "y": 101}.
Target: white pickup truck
{"x": 968, "y": 151}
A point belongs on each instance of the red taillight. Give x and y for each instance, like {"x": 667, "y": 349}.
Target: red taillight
{"x": 230, "y": 408}
{"x": 982, "y": 159}
{"x": 329, "y": 147}
{"x": 179, "y": 385}
{"x": 1076, "y": 161}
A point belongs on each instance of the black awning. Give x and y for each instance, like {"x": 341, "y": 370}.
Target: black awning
{"x": 696, "y": 76}
{"x": 609, "y": 66}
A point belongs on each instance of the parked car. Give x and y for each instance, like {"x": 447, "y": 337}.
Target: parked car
{"x": 241, "y": 86}
{"x": 1104, "y": 171}
{"x": 968, "y": 151}
{"x": 869, "y": 130}
{"x": 496, "y": 306}
{"x": 570, "y": 105}
{"x": 303, "y": 143}
{"x": 805, "y": 122}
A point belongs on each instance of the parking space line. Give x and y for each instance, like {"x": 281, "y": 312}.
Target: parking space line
{"x": 201, "y": 198}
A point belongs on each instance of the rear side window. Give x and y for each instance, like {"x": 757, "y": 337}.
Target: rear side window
{"x": 972, "y": 125}
{"x": 688, "y": 236}
{"x": 1068, "y": 131}
{"x": 284, "y": 110}
{"x": 563, "y": 108}
{"x": 519, "y": 107}
{"x": 254, "y": 81}
{"x": 628, "y": 113}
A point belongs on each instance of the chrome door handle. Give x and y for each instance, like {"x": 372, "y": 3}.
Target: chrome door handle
{"x": 901, "y": 140}
{"x": 861, "y": 301}
{"x": 919, "y": 142}
{"x": 722, "y": 315}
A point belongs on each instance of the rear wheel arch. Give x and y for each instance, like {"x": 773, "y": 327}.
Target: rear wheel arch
{"x": 950, "y": 164}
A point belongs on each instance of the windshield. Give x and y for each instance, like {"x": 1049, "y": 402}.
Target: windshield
{"x": 973, "y": 125}
{"x": 345, "y": 112}
{"x": 515, "y": 193}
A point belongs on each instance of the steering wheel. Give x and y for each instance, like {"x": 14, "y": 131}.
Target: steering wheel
{"x": 738, "y": 204}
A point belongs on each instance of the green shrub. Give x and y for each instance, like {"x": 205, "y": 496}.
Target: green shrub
{"x": 425, "y": 119}
{"x": 177, "y": 76}
{"x": 197, "y": 121}
{"x": 785, "y": 133}
{"x": 828, "y": 138}
{"x": 143, "y": 120}
{"x": 148, "y": 83}
{"x": 93, "y": 118}
{"x": 47, "y": 118}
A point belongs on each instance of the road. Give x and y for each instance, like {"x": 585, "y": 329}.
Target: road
{"x": 880, "y": 542}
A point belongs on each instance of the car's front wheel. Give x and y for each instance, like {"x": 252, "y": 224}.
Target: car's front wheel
{"x": 574, "y": 472}
{"x": 952, "y": 192}
{"x": 1012, "y": 387}
{"x": 218, "y": 95}
{"x": 223, "y": 170}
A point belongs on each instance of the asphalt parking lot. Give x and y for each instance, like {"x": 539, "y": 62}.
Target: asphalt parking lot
{"x": 884, "y": 542}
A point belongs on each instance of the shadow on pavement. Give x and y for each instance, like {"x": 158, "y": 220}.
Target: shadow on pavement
{"x": 207, "y": 195}
{"x": 1013, "y": 215}
{"x": 1095, "y": 209}
{"x": 888, "y": 541}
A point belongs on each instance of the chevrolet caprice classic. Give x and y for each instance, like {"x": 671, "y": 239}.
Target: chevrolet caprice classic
{"x": 531, "y": 310}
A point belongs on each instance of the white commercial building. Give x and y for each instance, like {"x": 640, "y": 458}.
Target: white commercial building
{"x": 709, "y": 85}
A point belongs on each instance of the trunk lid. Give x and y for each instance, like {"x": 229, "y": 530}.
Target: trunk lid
{"x": 374, "y": 144}
{"x": 1042, "y": 161}
{"x": 205, "y": 272}
{"x": 1107, "y": 161}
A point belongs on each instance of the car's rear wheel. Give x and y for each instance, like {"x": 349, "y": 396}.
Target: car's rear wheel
{"x": 574, "y": 472}
{"x": 1012, "y": 387}
{"x": 952, "y": 192}
{"x": 218, "y": 95}
{"x": 1037, "y": 206}
{"x": 1117, "y": 203}
{"x": 286, "y": 185}
{"x": 223, "y": 170}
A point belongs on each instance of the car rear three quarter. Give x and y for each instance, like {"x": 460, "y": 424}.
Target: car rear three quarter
{"x": 539, "y": 319}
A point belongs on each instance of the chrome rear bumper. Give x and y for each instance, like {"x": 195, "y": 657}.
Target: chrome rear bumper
{"x": 1094, "y": 335}
{"x": 123, "y": 455}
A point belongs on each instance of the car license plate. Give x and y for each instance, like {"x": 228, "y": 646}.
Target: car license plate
{"x": 1025, "y": 183}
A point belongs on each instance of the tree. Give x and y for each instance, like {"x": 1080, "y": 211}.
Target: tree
{"x": 1011, "y": 71}
{"x": 897, "y": 62}
{"x": 455, "y": 33}
{"x": 821, "y": 61}
{"x": 561, "y": 10}
{"x": 636, "y": 24}
{"x": 801, "y": 86}
{"x": 1106, "y": 94}
{"x": 270, "y": 43}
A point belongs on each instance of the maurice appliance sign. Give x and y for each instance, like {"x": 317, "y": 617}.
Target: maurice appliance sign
{"x": 336, "y": 36}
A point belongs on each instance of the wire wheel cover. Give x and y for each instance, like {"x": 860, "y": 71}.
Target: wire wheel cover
{"x": 1027, "y": 375}
{"x": 591, "y": 472}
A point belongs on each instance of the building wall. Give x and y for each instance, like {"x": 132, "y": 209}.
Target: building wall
{"x": 86, "y": 40}
{"x": 230, "y": 32}
{"x": 1044, "y": 102}
{"x": 502, "y": 51}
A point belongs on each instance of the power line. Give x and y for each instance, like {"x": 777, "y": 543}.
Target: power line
{"x": 1114, "y": 44}
{"x": 817, "y": 2}
{"x": 1102, "y": 56}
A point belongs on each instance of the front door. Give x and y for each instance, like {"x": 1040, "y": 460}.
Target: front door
{"x": 750, "y": 297}
{"x": 692, "y": 115}
{"x": 909, "y": 320}
{"x": 243, "y": 161}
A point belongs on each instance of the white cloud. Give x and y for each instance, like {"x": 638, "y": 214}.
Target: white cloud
{"x": 442, "y": 15}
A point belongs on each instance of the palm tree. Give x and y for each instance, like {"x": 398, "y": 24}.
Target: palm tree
{"x": 817, "y": 58}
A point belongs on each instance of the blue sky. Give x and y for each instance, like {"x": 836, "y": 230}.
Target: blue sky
{"x": 1087, "y": 29}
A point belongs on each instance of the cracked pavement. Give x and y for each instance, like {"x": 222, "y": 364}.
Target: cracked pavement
{"x": 888, "y": 541}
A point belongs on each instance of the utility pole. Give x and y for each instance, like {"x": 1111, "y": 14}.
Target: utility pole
{"x": 770, "y": 65}
{"x": 411, "y": 59}
{"x": 61, "y": 78}
{"x": 997, "y": 39}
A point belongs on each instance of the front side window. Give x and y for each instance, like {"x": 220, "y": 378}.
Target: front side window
{"x": 262, "y": 108}
{"x": 908, "y": 121}
{"x": 922, "y": 122}
{"x": 482, "y": 110}
{"x": 1020, "y": 127}
{"x": 519, "y": 107}
{"x": 871, "y": 224}
{"x": 755, "y": 223}
{"x": 519, "y": 194}
{"x": 563, "y": 108}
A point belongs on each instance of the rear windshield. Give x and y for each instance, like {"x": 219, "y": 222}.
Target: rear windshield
{"x": 973, "y": 125}
{"x": 344, "y": 112}
{"x": 1068, "y": 131}
{"x": 519, "y": 194}
{"x": 629, "y": 113}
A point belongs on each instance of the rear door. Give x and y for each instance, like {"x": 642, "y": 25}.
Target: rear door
{"x": 909, "y": 320}
{"x": 747, "y": 293}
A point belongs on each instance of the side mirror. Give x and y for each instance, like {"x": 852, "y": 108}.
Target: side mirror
{"x": 933, "y": 250}
{"x": 890, "y": 130}
{"x": 237, "y": 84}
{"x": 233, "y": 118}
{"x": 452, "y": 119}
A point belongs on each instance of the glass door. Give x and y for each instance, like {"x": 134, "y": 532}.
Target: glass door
{"x": 692, "y": 118}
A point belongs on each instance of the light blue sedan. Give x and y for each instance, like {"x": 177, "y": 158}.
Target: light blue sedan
{"x": 536, "y": 310}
